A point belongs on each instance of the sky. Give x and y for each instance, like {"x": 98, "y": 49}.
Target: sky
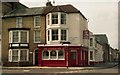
{"x": 102, "y": 15}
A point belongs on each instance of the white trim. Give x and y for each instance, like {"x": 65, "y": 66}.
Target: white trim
{"x": 15, "y": 45}
{"x": 23, "y": 44}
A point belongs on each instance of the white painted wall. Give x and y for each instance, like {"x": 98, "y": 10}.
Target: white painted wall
{"x": 76, "y": 25}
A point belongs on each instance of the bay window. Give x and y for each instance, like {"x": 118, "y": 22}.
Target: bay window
{"x": 45, "y": 55}
{"x": 18, "y": 36}
{"x": 18, "y": 55}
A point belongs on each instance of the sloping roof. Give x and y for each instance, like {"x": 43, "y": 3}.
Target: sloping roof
{"x": 101, "y": 38}
{"x": 43, "y": 10}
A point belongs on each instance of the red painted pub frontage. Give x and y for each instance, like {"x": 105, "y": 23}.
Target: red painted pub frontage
{"x": 65, "y": 55}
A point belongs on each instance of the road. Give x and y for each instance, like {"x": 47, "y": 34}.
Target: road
{"x": 110, "y": 71}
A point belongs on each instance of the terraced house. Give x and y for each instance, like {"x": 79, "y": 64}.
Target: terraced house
{"x": 44, "y": 36}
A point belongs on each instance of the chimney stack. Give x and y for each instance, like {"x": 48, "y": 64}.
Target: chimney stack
{"x": 48, "y": 3}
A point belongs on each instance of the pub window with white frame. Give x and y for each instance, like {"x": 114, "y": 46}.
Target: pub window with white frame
{"x": 36, "y": 21}
{"x": 45, "y": 55}
{"x": 60, "y": 54}
{"x": 18, "y": 55}
{"x": 19, "y": 22}
{"x": 37, "y": 36}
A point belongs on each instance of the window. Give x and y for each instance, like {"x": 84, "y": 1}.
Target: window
{"x": 23, "y": 37}
{"x": 15, "y": 36}
{"x": 37, "y": 21}
{"x": 48, "y": 35}
{"x": 63, "y": 34}
{"x": 16, "y": 55}
{"x": 23, "y": 55}
{"x": 91, "y": 41}
{"x": 37, "y": 36}
{"x": 18, "y": 36}
{"x": 61, "y": 54}
{"x": 54, "y": 18}
{"x": 48, "y": 19}
{"x": 53, "y": 54}
{"x": 55, "y": 34}
{"x": 45, "y": 55}
{"x": 63, "y": 18}
{"x": 19, "y": 22}
{"x": 91, "y": 55}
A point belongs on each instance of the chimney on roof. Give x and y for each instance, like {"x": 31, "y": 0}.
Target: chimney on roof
{"x": 48, "y": 3}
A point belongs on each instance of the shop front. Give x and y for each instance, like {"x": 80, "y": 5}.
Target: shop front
{"x": 62, "y": 55}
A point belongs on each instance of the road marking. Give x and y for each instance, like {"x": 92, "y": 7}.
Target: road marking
{"x": 26, "y": 70}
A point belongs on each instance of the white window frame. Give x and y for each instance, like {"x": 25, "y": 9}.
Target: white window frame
{"x": 57, "y": 57}
{"x": 18, "y": 23}
{"x": 35, "y": 37}
{"x": 19, "y": 51}
{"x": 35, "y": 21}
{"x": 19, "y": 36}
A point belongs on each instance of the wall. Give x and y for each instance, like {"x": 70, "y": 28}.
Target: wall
{"x": 28, "y": 22}
{"x": 76, "y": 25}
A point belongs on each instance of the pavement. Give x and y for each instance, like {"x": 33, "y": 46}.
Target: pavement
{"x": 91, "y": 67}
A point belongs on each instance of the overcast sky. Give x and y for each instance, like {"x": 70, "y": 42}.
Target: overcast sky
{"x": 102, "y": 15}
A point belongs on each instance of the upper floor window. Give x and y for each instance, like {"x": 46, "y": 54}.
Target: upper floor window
{"x": 55, "y": 34}
{"x": 54, "y": 18}
{"x": 18, "y": 36}
{"x": 63, "y": 18}
{"x": 91, "y": 41}
{"x": 37, "y": 36}
{"x": 37, "y": 21}
{"x": 19, "y": 22}
{"x": 48, "y": 19}
{"x": 63, "y": 35}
